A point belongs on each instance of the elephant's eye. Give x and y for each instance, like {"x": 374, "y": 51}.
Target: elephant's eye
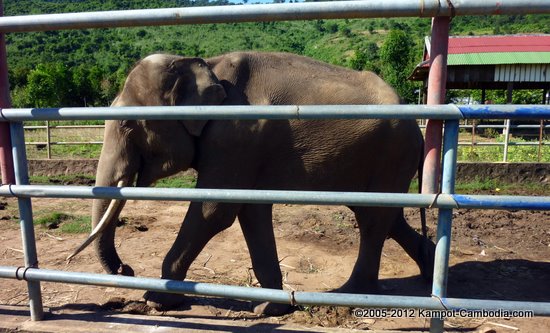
{"x": 126, "y": 125}
{"x": 173, "y": 66}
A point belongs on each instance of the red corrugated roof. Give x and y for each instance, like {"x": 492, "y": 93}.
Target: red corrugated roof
{"x": 484, "y": 44}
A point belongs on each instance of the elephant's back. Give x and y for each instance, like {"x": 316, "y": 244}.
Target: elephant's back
{"x": 343, "y": 155}
{"x": 287, "y": 79}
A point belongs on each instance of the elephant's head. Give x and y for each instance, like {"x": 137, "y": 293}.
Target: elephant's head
{"x": 144, "y": 151}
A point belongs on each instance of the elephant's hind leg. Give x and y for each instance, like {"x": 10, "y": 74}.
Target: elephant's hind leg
{"x": 257, "y": 226}
{"x": 419, "y": 248}
{"x": 374, "y": 226}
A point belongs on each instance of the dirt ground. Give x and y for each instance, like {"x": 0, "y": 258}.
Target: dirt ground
{"x": 502, "y": 255}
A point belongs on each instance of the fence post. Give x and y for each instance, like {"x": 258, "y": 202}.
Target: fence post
{"x": 506, "y": 133}
{"x": 48, "y": 139}
{"x": 26, "y": 218}
{"x": 6, "y": 158}
{"x": 437, "y": 81}
{"x": 545, "y": 100}
{"x": 444, "y": 221}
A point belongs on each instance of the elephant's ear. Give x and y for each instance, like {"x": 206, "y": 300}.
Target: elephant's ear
{"x": 194, "y": 127}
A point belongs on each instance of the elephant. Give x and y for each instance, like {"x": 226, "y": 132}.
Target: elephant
{"x": 366, "y": 155}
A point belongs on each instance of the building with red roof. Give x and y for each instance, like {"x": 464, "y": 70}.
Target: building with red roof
{"x": 494, "y": 62}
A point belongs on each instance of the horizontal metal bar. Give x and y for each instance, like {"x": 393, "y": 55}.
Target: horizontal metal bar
{"x": 37, "y": 143}
{"x": 444, "y": 112}
{"x": 271, "y": 12}
{"x": 272, "y": 295}
{"x": 519, "y": 126}
{"x": 502, "y": 202}
{"x": 278, "y": 196}
{"x": 505, "y": 111}
{"x": 503, "y": 126}
{"x": 215, "y": 195}
{"x": 511, "y": 143}
{"x": 64, "y": 127}
{"x": 236, "y": 112}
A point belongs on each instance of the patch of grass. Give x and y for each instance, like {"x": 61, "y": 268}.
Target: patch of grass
{"x": 75, "y": 179}
{"x": 65, "y": 223}
{"x": 491, "y": 186}
{"x": 51, "y": 220}
{"x": 185, "y": 181}
{"x": 77, "y": 225}
{"x": 516, "y": 153}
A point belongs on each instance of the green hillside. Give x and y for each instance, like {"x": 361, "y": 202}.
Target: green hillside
{"x": 87, "y": 67}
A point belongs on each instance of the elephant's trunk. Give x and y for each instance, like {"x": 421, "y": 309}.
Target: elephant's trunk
{"x": 104, "y": 219}
{"x": 118, "y": 165}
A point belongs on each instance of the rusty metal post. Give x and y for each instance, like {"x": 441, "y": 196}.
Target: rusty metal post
{"x": 6, "y": 158}
{"x": 9, "y": 177}
{"x": 437, "y": 80}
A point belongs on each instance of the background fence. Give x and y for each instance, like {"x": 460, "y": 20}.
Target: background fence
{"x": 473, "y": 136}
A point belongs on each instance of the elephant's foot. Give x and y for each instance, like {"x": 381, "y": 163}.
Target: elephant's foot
{"x": 427, "y": 256}
{"x": 125, "y": 270}
{"x": 358, "y": 287}
{"x": 163, "y": 301}
{"x": 271, "y": 309}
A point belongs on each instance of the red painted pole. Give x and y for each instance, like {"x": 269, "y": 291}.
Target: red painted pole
{"x": 6, "y": 158}
{"x": 437, "y": 80}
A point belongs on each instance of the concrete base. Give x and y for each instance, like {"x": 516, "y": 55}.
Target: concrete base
{"x": 17, "y": 319}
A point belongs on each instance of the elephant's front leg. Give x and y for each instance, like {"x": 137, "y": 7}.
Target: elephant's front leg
{"x": 257, "y": 226}
{"x": 202, "y": 222}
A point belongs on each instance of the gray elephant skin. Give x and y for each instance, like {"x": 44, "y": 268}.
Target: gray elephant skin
{"x": 329, "y": 155}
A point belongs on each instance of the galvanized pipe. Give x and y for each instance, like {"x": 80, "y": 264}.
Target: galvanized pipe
{"x": 445, "y": 216}
{"x": 456, "y": 201}
{"x": 224, "y": 195}
{"x": 273, "y": 12}
{"x": 235, "y": 112}
{"x": 504, "y": 111}
{"x": 26, "y": 219}
{"x": 272, "y": 295}
{"x": 441, "y": 112}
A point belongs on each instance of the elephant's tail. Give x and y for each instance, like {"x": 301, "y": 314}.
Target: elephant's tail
{"x": 427, "y": 248}
{"x": 422, "y": 210}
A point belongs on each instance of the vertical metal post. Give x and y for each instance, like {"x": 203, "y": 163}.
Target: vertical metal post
{"x": 506, "y": 134}
{"x": 437, "y": 80}
{"x": 48, "y": 139}
{"x": 507, "y": 123}
{"x": 443, "y": 247}
{"x": 473, "y": 133}
{"x": 541, "y": 136}
{"x": 6, "y": 159}
{"x": 25, "y": 213}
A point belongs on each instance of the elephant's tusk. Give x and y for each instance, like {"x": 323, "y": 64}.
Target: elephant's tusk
{"x": 101, "y": 225}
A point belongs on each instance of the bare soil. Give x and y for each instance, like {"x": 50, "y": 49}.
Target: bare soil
{"x": 502, "y": 255}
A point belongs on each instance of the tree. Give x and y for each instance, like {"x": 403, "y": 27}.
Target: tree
{"x": 366, "y": 58}
{"x": 396, "y": 56}
{"x": 49, "y": 85}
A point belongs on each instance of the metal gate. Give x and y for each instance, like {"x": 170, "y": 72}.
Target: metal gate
{"x": 436, "y": 195}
